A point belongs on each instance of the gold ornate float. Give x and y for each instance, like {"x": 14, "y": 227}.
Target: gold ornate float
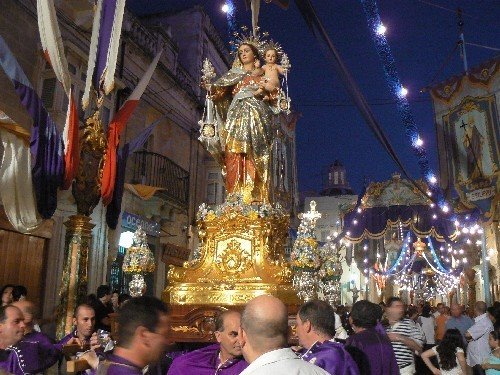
{"x": 241, "y": 256}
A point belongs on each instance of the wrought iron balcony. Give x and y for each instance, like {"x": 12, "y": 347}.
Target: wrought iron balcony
{"x": 152, "y": 169}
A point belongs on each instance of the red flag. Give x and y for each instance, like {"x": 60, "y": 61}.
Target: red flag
{"x": 71, "y": 142}
{"x": 116, "y": 127}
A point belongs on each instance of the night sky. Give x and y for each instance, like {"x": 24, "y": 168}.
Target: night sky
{"x": 421, "y": 34}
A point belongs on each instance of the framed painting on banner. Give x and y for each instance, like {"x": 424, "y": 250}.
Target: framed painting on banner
{"x": 472, "y": 133}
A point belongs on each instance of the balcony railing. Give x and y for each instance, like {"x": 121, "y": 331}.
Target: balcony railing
{"x": 152, "y": 169}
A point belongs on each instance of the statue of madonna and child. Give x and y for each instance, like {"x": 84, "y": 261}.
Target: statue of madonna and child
{"x": 237, "y": 128}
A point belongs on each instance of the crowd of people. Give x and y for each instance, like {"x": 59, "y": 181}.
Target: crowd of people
{"x": 379, "y": 339}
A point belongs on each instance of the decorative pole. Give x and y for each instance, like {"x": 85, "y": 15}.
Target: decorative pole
{"x": 87, "y": 193}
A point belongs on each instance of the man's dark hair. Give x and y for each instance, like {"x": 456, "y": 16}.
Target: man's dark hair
{"x": 365, "y": 314}
{"x": 321, "y": 316}
{"x": 82, "y": 306}
{"x": 18, "y": 291}
{"x": 142, "y": 311}
{"x": 123, "y": 297}
{"x": 219, "y": 319}
{"x": 391, "y": 300}
{"x": 426, "y": 311}
{"x": 103, "y": 290}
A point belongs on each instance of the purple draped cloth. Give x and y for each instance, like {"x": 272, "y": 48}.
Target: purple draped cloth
{"x": 27, "y": 357}
{"x": 46, "y": 145}
{"x": 373, "y": 352}
{"x": 206, "y": 361}
{"x": 331, "y": 357}
{"x": 106, "y": 26}
{"x": 114, "y": 207}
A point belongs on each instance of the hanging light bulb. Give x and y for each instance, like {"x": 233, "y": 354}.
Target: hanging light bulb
{"x": 381, "y": 29}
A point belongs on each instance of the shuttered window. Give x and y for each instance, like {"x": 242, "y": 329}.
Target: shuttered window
{"x": 48, "y": 91}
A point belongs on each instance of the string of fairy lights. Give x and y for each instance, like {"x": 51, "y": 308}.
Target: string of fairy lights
{"x": 400, "y": 92}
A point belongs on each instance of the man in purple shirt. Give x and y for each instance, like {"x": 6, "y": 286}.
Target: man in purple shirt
{"x": 84, "y": 322}
{"x": 45, "y": 344}
{"x": 143, "y": 326}
{"x": 223, "y": 358}
{"x": 370, "y": 348}
{"x": 316, "y": 330}
{"x": 17, "y": 356}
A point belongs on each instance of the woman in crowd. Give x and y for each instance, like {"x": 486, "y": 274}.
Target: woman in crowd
{"x": 449, "y": 353}
{"x": 114, "y": 300}
{"x": 426, "y": 321}
{"x": 492, "y": 365}
{"x": 6, "y": 294}
{"x": 494, "y": 314}
{"x": 442, "y": 318}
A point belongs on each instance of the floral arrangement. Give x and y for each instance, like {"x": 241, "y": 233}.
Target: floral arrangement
{"x": 234, "y": 203}
{"x": 331, "y": 262}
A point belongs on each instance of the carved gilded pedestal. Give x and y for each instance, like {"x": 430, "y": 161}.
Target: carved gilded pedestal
{"x": 241, "y": 257}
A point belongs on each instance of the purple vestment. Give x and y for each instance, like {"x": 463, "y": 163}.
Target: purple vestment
{"x": 206, "y": 361}
{"x": 375, "y": 353}
{"x": 46, "y": 347}
{"x": 116, "y": 365}
{"x": 332, "y": 357}
{"x": 28, "y": 356}
{"x": 59, "y": 345}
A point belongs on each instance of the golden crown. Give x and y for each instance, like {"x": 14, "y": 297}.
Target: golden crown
{"x": 271, "y": 44}
{"x": 246, "y": 36}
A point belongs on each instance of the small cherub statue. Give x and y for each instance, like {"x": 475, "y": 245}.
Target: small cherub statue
{"x": 271, "y": 71}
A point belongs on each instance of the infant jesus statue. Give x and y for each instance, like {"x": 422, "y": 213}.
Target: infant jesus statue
{"x": 271, "y": 72}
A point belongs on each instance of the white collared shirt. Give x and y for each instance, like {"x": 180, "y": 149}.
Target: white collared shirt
{"x": 282, "y": 362}
{"x": 478, "y": 349}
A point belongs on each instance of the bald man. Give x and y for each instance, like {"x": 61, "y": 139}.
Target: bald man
{"x": 223, "y": 358}
{"x": 478, "y": 349}
{"x": 264, "y": 340}
{"x": 458, "y": 320}
{"x": 44, "y": 343}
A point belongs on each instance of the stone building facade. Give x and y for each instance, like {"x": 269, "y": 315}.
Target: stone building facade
{"x": 172, "y": 161}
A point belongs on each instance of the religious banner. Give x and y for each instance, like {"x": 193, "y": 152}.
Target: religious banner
{"x": 466, "y": 112}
